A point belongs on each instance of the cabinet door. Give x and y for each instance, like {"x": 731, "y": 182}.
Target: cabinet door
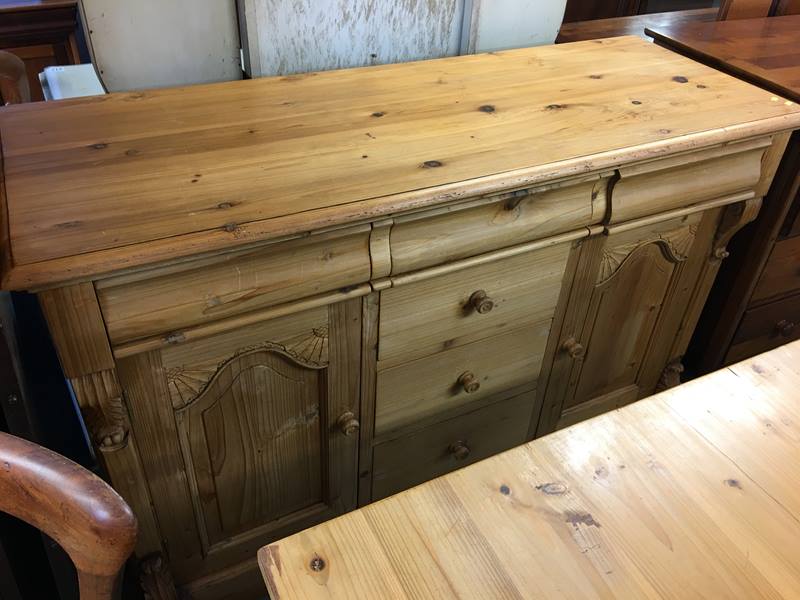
{"x": 640, "y": 282}
{"x": 248, "y": 435}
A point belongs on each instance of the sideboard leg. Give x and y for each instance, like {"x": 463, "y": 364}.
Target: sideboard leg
{"x": 670, "y": 376}
{"x": 156, "y": 579}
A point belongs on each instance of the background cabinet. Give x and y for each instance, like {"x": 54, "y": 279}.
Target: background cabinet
{"x": 42, "y": 33}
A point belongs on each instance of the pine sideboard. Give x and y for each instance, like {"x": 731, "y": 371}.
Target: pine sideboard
{"x": 277, "y": 300}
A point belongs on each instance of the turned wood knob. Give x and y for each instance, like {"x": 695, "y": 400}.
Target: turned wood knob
{"x": 459, "y": 450}
{"x": 721, "y": 254}
{"x": 785, "y": 327}
{"x": 573, "y": 348}
{"x": 481, "y": 302}
{"x": 469, "y": 382}
{"x": 348, "y": 424}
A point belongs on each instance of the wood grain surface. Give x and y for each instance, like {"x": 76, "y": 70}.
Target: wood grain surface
{"x": 691, "y": 493}
{"x": 764, "y": 51}
{"x": 103, "y": 184}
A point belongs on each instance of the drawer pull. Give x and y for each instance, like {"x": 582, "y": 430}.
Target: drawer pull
{"x": 573, "y": 348}
{"x": 459, "y": 450}
{"x": 469, "y": 382}
{"x": 348, "y": 424}
{"x": 481, "y": 302}
{"x": 785, "y": 328}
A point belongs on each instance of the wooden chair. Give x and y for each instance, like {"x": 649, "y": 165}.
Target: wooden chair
{"x": 14, "y": 86}
{"x": 753, "y": 9}
{"x": 81, "y": 512}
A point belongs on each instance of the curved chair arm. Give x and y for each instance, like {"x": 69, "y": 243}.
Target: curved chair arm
{"x": 80, "y": 511}
{"x": 14, "y": 87}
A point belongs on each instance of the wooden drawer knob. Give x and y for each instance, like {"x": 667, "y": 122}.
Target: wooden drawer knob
{"x": 573, "y": 348}
{"x": 459, "y": 450}
{"x": 785, "y": 327}
{"x": 469, "y": 382}
{"x": 348, "y": 424}
{"x": 481, "y": 302}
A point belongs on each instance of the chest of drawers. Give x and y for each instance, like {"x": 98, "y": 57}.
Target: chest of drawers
{"x": 277, "y": 300}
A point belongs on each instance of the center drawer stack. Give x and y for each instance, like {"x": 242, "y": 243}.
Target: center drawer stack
{"x": 463, "y": 330}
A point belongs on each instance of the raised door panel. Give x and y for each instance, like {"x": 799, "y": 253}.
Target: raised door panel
{"x": 624, "y": 310}
{"x": 243, "y": 436}
{"x": 252, "y": 442}
{"x": 636, "y": 277}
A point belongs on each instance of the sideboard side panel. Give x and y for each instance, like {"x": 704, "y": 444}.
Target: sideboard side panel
{"x": 78, "y": 333}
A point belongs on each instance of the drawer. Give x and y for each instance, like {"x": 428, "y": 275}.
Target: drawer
{"x": 679, "y": 181}
{"x": 766, "y": 327}
{"x": 781, "y": 274}
{"x": 425, "y": 240}
{"x": 422, "y": 318}
{"x": 169, "y": 299}
{"x": 431, "y": 386}
{"x": 436, "y": 450}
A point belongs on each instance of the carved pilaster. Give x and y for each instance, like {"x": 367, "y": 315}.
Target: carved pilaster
{"x": 156, "y": 579}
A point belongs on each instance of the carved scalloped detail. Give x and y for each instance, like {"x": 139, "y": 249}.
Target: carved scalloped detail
{"x": 186, "y": 384}
{"x": 675, "y": 245}
{"x": 103, "y": 408}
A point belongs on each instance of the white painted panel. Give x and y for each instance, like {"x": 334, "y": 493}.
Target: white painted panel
{"x": 502, "y": 24}
{"x": 140, "y": 44}
{"x": 295, "y": 36}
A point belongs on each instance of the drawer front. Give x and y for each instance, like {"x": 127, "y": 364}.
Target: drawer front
{"x": 423, "y": 455}
{"x": 424, "y": 240}
{"x": 432, "y": 386}
{"x": 681, "y": 181}
{"x": 781, "y": 274}
{"x": 419, "y": 319}
{"x": 170, "y": 299}
{"x": 766, "y": 327}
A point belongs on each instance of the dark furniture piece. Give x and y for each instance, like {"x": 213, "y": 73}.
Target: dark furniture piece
{"x": 73, "y": 506}
{"x": 42, "y": 33}
{"x": 755, "y": 303}
{"x": 586, "y": 10}
{"x": 605, "y": 28}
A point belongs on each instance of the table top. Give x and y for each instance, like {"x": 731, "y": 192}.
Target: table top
{"x": 103, "y": 184}
{"x": 692, "y": 493}
{"x": 632, "y": 25}
{"x": 763, "y": 51}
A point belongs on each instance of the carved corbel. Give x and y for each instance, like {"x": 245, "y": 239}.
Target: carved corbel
{"x": 733, "y": 219}
{"x": 103, "y": 409}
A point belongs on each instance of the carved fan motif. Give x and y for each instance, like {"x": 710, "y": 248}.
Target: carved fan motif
{"x": 675, "y": 245}
{"x": 187, "y": 383}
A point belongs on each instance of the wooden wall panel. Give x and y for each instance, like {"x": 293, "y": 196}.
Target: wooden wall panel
{"x": 151, "y": 43}
{"x": 283, "y": 37}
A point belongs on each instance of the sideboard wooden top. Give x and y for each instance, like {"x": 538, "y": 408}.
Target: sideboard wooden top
{"x": 103, "y": 184}
{"x": 688, "y": 494}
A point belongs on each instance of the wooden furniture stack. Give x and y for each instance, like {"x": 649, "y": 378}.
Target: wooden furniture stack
{"x": 41, "y": 33}
{"x": 689, "y": 494}
{"x": 346, "y": 283}
{"x": 755, "y": 305}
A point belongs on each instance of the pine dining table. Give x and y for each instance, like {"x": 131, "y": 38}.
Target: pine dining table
{"x": 691, "y": 493}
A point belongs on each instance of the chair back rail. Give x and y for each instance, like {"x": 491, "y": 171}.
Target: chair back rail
{"x": 80, "y": 511}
